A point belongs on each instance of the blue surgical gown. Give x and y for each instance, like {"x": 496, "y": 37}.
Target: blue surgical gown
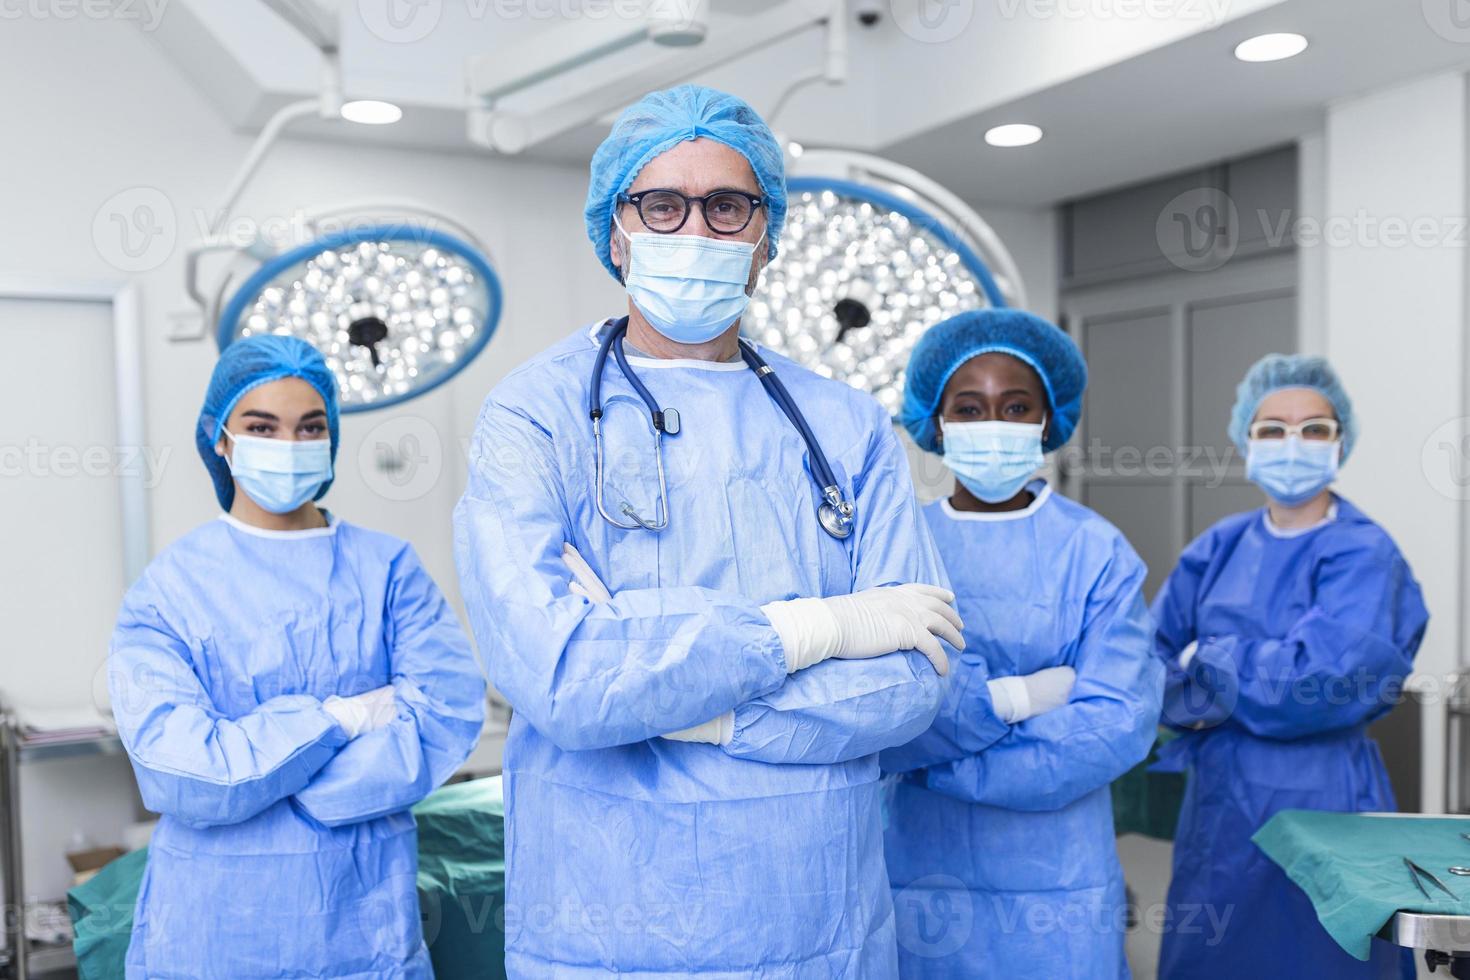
{"x": 632, "y": 854}
{"x": 284, "y": 849}
{"x": 1000, "y": 848}
{"x": 1303, "y": 641}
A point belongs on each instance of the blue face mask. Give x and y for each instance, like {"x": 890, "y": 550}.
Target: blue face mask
{"x": 278, "y": 474}
{"x": 1292, "y": 470}
{"x": 688, "y": 287}
{"x": 992, "y": 459}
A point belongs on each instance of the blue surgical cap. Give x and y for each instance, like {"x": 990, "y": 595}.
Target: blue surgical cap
{"x": 661, "y": 120}
{"x": 247, "y": 364}
{"x": 1277, "y": 371}
{"x": 1025, "y": 336}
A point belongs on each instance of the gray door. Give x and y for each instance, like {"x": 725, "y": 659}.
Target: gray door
{"x": 1164, "y": 356}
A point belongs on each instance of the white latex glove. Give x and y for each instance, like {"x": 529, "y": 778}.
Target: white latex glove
{"x": 1018, "y": 698}
{"x": 716, "y": 731}
{"x": 868, "y": 624}
{"x": 585, "y": 582}
{"x": 1187, "y": 654}
{"x": 363, "y": 712}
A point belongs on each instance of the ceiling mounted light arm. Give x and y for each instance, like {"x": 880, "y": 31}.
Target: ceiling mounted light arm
{"x": 834, "y": 67}
{"x": 318, "y": 25}
{"x": 529, "y": 69}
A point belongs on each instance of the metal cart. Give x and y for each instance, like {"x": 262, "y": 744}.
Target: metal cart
{"x": 1443, "y": 939}
{"x": 22, "y": 959}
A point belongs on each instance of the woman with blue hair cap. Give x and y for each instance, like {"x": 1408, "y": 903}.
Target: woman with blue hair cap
{"x": 1285, "y": 631}
{"x": 703, "y": 670}
{"x": 286, "y": 685}
{"x": 1000, "y": 833}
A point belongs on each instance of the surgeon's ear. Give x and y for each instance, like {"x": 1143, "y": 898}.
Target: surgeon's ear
{"x": 757, "y": 266}
{"x": 616, "y": 249}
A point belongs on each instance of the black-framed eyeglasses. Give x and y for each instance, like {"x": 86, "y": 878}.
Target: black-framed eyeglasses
{"x": 665, "y": 211}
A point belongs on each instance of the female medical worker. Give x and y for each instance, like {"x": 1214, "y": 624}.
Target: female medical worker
{"x": 1000, "y": 833}
{"x": 1285, "y": 631}
{"x": 287, "y": 685}
{"x": 780, "y": 657}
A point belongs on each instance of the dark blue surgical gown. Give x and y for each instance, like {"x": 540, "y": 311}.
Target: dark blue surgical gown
{"x": 1303, "y": 641}
{"x": 284, "y": 849}
{"x": 1002, "y": 858}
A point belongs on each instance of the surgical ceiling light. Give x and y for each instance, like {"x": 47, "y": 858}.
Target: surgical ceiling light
{"x": 395, "y": 307}
{"x": 873, "y": 254}
{"x": 397, "y": 297}
{"x": 371, "y": 112}
{"x": 1013, "y": 134}
{"x": 1270, "y": 47}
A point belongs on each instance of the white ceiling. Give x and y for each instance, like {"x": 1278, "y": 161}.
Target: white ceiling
{"x": 1122, "y": 96}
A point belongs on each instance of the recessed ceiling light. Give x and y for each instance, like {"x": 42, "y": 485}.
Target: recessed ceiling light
{"x": 1013, "y": 134}
{"x": 795, "y": 149}
{"x": 1270, "y": 47}
{"x": 371, "y": 112}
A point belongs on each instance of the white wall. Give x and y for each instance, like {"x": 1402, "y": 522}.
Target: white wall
{"x": 1393, "y": 323}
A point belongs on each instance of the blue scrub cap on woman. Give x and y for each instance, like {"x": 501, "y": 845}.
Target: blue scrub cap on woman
{"x": 1277, "y": 371}
{"x": 247, "y": 364}
{"x": 1025, "y": 336}
{"x": 661, "y": 120}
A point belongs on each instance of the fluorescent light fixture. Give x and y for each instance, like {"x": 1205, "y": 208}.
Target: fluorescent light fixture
{"x": 1013, "y": 134}
{"x": 371, "y": 112}
{"x": 1270, "y": 47}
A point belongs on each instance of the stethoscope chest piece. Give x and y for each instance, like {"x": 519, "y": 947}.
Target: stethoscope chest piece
{"x": 834, "y": 523}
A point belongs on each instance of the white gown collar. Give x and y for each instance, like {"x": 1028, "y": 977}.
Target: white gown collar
{"x": 1039, "y": 488}
{"x": 261, "y": 532}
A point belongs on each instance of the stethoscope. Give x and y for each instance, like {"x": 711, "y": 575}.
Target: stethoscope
{"x": 835, "y": 512}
